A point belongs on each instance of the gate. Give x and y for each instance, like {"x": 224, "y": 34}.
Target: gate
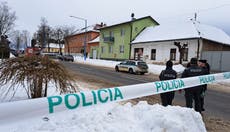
{"x": 94, "y": 54}
{"x": 218, "y": 60}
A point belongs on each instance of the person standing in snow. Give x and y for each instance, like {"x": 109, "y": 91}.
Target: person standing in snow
{"x": 168, "y": 74}
{"x": 193, "y": 93}
{"x": 203, "y": 64}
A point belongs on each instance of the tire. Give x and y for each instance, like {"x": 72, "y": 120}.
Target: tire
{"x": 116, "y": 69}
{"x": 131, "y": 71}
{"x": 142, "y": 73}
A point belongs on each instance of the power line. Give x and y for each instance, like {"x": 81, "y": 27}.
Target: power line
{"x": 211, "y": 8}
{"x": 198, "y": 11}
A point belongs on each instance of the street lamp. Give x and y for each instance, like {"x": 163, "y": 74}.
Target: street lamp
{"x": 85, "y": 33}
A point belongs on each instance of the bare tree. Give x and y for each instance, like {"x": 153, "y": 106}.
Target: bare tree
{"x": 43, "y": 33}
{"x": 17, "y": 39}
{"x": 57, "y": 36}
{"x": 35, "y": 73}
{"x": 60, "y": 33}
{"x": 26, "y": 37}
{"x": 181, "y": 50}
{"x": 7, "y": 19}
{"x": 68, "y": 31}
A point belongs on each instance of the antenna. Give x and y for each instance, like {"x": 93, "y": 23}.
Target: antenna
{"x": 195, "y": 16}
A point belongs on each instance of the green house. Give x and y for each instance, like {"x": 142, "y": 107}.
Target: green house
{"x": 115, "y": 40}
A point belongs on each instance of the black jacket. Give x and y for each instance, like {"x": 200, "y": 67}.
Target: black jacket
{"x": 192, "y": 71}
{"x": 168, "y": 74}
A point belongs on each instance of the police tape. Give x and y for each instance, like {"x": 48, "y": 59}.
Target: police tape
{"x": 14, "y": 111}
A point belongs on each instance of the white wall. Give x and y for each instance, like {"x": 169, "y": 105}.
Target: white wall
{"x": 163, "y": 50}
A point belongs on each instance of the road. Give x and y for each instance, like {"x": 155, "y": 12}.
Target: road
{"x": 216, "y": 103}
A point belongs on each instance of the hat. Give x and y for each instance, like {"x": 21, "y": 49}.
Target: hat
{"x": 169, "y": 63}
{"x": 193, "y": 61}
{"x": 203, "y": 61}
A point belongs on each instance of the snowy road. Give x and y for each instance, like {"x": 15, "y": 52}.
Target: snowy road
{"x": 217, "y": 103}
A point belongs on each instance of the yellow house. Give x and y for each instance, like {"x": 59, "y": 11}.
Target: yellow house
{"x": 54, "y": 48}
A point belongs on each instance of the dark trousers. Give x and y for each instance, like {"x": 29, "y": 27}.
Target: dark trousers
{"x": 193, "y": 94}
{"x": 202, "y": 96}
{"x": 166, "y": 98}
{"x": 202, "y": 102}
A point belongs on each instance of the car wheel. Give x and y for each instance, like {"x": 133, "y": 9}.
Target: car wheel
{"x": 116, "y": 69}
{"x": 131, "y": 70}
{"x": 142, "y": 73}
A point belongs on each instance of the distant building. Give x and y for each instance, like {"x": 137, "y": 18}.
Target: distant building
{"x": 54, "y": 48}
{"x": 74, "y": 44}
{"x": 115, "y": 40}
{"x": 93, "y": 46}
{"x": 158, "y": 44}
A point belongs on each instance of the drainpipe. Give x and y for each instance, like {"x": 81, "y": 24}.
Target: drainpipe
{"x": 131, "y": 31}
{"x": 198, "y": 48}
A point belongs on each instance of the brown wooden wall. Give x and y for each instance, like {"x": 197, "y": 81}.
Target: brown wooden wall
{"x": 214, "y": 46}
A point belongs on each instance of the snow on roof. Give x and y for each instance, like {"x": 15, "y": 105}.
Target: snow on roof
{"x": 186, "y": 30}
{"x": 213, "y": 33}
{"x": 55, "y": 45}
{"x": 129, "y": 21}
{"x": 96, "y": 40}
{"x": 90, "y": 28}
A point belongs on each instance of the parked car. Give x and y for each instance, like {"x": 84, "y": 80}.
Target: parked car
{"x": 132, "y": 66}
{"x": 50, "y": 55}
{"x": 66, "y": 58}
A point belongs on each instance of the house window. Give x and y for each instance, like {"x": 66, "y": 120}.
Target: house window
{"x": 102, "y": 49}
{"x": 110, "y": 49}
{"x": 122, "y": 32}
{"x": 153, "y": 54}
{"x": 172, "y": 54}
{"x": 138, "y": 53}
{"x": 185, "y": 55}
{"x": 111, "y": 34}
{"x": 121, "y": 48}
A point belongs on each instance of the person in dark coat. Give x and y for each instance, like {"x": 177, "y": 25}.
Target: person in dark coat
{"x": 193, "y": 93}
{"x": 203, "y": 64}
{"x": 168, "y": 74}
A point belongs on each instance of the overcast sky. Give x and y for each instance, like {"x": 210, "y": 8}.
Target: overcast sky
{"x": 57, "y": 12}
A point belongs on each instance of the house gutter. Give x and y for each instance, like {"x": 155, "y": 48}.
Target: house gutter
{"x": 130, "y": 41}
{"x": 198, "y": 48}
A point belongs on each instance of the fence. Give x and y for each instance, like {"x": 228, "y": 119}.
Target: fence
{"x": 218, "y": 60}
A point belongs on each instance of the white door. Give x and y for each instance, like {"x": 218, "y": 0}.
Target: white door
{"x": 94, "y": 54}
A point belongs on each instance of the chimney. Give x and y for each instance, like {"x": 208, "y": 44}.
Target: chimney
{"x": 132, "y": 17}
{"x": 98, "y": 26}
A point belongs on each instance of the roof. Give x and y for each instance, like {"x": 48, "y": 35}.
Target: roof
{"x": 96, "y": 40}
{"x": 130, "y": 22}
{"x": 90, "y": 28}
{"x": 186, "y": 30}
{"x": 54, "y": 45}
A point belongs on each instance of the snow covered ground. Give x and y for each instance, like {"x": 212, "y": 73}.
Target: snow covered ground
{"x": 115, "y": 118}
{"x": 111, "y": 117}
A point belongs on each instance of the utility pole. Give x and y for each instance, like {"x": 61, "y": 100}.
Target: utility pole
{"x": 85, "y": 35}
